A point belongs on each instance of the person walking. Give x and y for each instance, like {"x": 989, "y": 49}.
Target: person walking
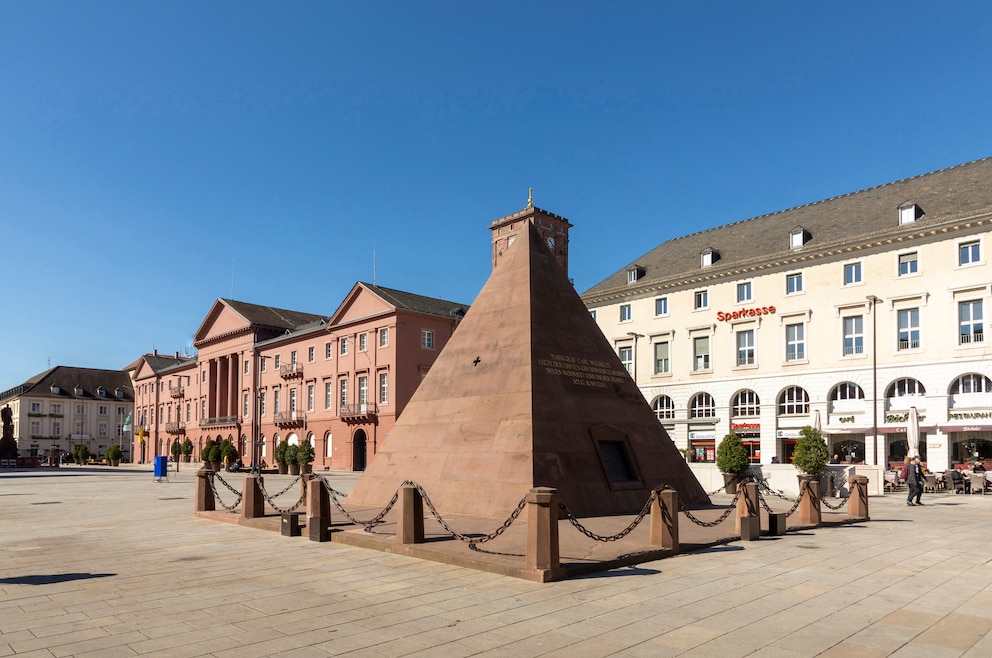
{"x": 914, "y": 482}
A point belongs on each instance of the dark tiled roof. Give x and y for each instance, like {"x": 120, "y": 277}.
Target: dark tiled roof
{"x": 268, "y": 316}
{"x": 89, "y": 379}
{"x": 408, "y": 301}
{"x": 852, "y": 217}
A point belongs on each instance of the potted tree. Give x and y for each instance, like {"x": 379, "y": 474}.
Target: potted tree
{"x": 732, "y": 460}
{"x": 210, "y": 454}
{"x": 304, "y": 456}
{"x": 176, "y": 450}
{"x": 187, "y": 450}
{"x": 279, "y": 454}
{"x": 82, "y": 454}
{"x": 292, "y": 452}
{"x": 811, "y": 454}
{"x": 228, "y": 453}
{"x": 114, "y": 455}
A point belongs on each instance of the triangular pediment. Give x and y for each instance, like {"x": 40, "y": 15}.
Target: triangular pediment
{"x": 528, "y": 392}
{"x": 360, "y": 303}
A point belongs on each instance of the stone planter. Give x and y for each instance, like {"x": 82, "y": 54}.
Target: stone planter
{"x": 282, "y": 468}
{"x": 216, "y": 466}
{"x": 294, "y": 469}
{"x": 730, "y": 482}
{"x": 306, "y": 468}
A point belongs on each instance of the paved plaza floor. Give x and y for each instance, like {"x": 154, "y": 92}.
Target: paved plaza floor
{"x": 112, "y": 562}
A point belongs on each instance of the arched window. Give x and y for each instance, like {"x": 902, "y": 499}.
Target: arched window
{"x": 745, "y": 403}
{"x": 329, "y": 442}
{"x": 971, "y": 383}
{"x": 793, "y": 400}
{"x": 702, "y": 406}
{"x": 846, "y": 391}
{"x": 663, "y": 407}
{"x": 903, "y": 387}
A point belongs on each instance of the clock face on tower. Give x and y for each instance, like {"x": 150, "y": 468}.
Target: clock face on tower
{"x": 551, "y": 242}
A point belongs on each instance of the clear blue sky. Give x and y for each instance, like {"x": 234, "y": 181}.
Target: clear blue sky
{"x": 157, "y": 155}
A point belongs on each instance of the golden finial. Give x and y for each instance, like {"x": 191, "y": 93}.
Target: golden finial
{"x": 530, "y": 197}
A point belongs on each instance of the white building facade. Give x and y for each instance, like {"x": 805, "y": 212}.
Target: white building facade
{"x": 858, "y": 313}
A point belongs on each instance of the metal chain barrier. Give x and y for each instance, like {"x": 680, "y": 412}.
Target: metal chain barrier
{"x": 802, "y": 489}
{"x": 367, "y": 525}
{"x": 271, "y": 501}
{"x": 763, "y": 484}
{"x": 828, "y": 505}
{"x": 623, "y": 533}
{"x": 210, "y": 480}
{"x": 472, "y": 541}
{"x": 711, "y": 524}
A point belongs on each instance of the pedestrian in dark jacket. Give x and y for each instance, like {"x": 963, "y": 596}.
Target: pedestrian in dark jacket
{"x": 914, "y": 482}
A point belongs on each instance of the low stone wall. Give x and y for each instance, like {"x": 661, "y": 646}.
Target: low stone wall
{"x": 783, "y": 477}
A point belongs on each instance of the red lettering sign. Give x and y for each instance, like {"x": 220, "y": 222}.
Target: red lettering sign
{"x": 745, "y": 313}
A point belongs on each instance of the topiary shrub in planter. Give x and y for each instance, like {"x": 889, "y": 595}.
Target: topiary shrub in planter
{"x": 187, "y": 450}
{"x": 82, "y": 454}
{"x": 305, "y": 456}
{"x": 811, "y": 454}
{"x": 228, "y": 453}
{"x": 292, "y": 452}
{"x": 279, "y": 454}
{"x": 114, "y": 455}
{"x": 176, "y": 450}
{"x": 732, "y": 460}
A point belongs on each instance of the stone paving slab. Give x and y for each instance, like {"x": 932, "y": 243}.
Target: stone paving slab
{"x": 110, "y": 562}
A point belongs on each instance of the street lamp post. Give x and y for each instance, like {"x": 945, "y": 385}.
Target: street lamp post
{"x": 872, "y": 301}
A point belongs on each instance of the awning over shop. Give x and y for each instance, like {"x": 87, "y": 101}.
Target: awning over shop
{"x": 966, "y": 428}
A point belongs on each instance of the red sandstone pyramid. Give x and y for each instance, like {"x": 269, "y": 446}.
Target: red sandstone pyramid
{"x": 528, "y": 392}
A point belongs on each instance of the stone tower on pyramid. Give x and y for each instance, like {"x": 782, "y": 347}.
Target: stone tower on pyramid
{"x": 528, "y": 392}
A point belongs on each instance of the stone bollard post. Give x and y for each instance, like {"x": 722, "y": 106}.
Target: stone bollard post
{"x": 410, "y": 528}
{"x": 857, "y": 499}
{"x": 748, "y": 512}
{"x": 252, "y": 502}
{"x": 542, "y": 532}
{"x": 809, "y": 505}
{"x": 665, "y": 520}
{"x": 204, "y": 491}
{"x": 318, "y": 510}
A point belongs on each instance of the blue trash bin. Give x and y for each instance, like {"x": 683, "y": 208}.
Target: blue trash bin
{"x": 161, "y": 467}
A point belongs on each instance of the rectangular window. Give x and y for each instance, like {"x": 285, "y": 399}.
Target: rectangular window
{"x": 328, "y": 395}
{"x": 363, "y": 342}
{"x": 261, "y": 403}
{"x": 427, "y": 339}
{"x": 795, "y": 342}
{"x": 744, "y": 291}
{"x": 292, "y": 358}
{"x": 263, "y": 359}
{"x": 203, "y": 410}
{"x": 277, "y": 362}
{"x": 383, "y": 388}
{"x": 909, "y": 329}
{"x": 793, "y": 283}
{"x": 311, "y": 354}
{"x": 311, "y": 394}
{"x": 854, "y": 335}
{"x": 102, "y": 410}
{"x": 344, "y": 346}
{"x": 908, "y": 264}
{"x": 701, "y": 353}
{"x": 852, "y": 274}
{"x": 328, "y": 350}
{"x": 384, "y": 337}
{"x": 244, "y": 405}
{"x": 56, "y": 407}
{"x": 35, "y": 428}
{"x": 246, "y": 366}
{"x": 103, "y": 429}
{"x": 661, "y": 306}
{"x": 625, "y": 314}
{"x": 969, "y": 253}
{"x": 662, "y": 365}
{"x": 276, "y": 401}
{"x": 363, "y": 391}
{"x": 971, "y": 327}
{"x": 700, "y": 299}
{"x": 745, "y": 347}
{"x": 343, "y": 394}
{"x": 627, "y": 359}
{"x": 36, "y": 408}
{"x": 292, "y": 400}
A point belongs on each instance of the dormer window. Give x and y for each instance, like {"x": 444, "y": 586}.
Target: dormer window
{"x": 708, "y": 256}
{"x": 798, "y": 237}
{"x": 101, "y": 392}
{"x": 78, "y": 390}
{"x": 909, "y": 213}
{"x": 119, "y": 393}
{"x": 634, "y": 272}
{"x": 55, "y": 389}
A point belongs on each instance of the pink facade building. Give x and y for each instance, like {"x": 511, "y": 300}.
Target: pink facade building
{"x": 263, "y": 374}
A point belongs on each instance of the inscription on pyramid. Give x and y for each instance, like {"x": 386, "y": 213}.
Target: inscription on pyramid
{"x": 528, "y": 392}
